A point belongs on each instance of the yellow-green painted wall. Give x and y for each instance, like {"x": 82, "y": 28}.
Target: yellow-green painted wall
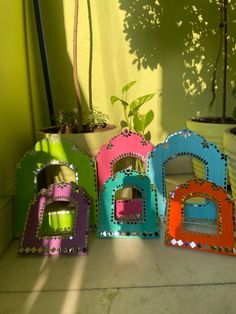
{"x": 169, "y": 47}
{"x": 20, "y": 110}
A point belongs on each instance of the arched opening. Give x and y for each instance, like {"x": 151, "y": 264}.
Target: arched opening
{"x": 58, "y": 219}
{"x": 131, "y": 163}
{"x": 128, "y": 162}
{"x": 199, "y": 168}
{"x": 200, "y": 225}
{"x": 54, "y": 174}
{"x": 128, "y": 207}
{"x": 182, "y": 164}
{"x": 180, "y": 169}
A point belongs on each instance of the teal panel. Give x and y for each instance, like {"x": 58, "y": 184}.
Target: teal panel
{"x": 187, "y": 143}
{"x": 109, "y": 226}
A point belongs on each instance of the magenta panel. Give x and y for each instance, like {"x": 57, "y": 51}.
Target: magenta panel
{"x": 126, "y": 144}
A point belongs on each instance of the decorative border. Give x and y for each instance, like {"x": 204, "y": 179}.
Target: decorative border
{"x": 108, "y": 226}
{"x": 176, "y": 235}
{"x": 187, "y": 143}
{"x": 73, "y": 244}
{"x": 52, "y": 163}
{"x": 125, "y": 144}
{"x": 53, "y": 150}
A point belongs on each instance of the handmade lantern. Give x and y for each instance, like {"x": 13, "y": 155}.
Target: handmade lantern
{"x": 126, "y": 144}
{"x": 48, "y": 152}
{"x": 34, "y": 240}
{"x": 182, "y": 143}
{"x": 145, "y": 225}
{"x": 176, "y": 235}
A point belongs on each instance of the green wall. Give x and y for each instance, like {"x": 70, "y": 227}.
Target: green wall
{"x": 170, "y": 50}
{"x": 168, "y": 46}
{"x": 20, "y": 95}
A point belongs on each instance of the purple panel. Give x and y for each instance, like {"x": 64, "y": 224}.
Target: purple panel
{"x": 74, "y": 244}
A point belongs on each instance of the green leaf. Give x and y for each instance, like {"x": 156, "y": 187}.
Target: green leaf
{"x": 149, "y": 118}
{"x": 123, "y": 124}
{"x": 138, "y": 123}
{"x": 137, "y": 103}
{"x": 141, "y": 121}
{"x": 147, "y": 136}
{"x": 128, "y": 86}
{"x": 114, "y": 99}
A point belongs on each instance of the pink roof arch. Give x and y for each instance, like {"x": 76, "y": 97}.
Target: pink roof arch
{"x": 125, "y": 144}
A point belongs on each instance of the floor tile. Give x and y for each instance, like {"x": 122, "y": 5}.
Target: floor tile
{"x": 114, "y": 263}
{"x": 162, "y": 300}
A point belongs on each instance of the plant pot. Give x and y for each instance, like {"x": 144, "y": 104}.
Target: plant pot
{"x": 90, "y": 142}
{"x": 212, "y": 132}
{"x": 229, "y": 141}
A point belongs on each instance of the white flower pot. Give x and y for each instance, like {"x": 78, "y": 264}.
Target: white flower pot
{"x": 89, "y": 142}
{"x": 212, "y": 132}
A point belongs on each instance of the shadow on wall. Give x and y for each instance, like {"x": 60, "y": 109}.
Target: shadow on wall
{"x": 183, "y": 40}
{"x": 60, "y": 66}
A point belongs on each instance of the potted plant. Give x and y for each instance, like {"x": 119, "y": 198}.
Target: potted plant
{"x": 137, "y": 122}
{"x": 89, "y": 132}
{"x": 211, "y": 127}
{"x": 134, "y": 120}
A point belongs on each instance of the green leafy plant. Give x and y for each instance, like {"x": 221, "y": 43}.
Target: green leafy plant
{"x": 67, "y": 122}
{"x": 134, "y": 120}
{"x": 97, "y": 119}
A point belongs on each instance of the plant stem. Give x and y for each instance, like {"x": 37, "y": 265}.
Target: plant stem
{"x": 213, "y": 82}
{"x": 90, "y": 56}
{"x": 127, "y": 119}
{"x": 139, "y": 165}
{"x": 75, "y": 67}
{"x": 225, "y": 55}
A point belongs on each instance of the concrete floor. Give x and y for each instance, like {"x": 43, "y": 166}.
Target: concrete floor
{"x": 119, "y": 276}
